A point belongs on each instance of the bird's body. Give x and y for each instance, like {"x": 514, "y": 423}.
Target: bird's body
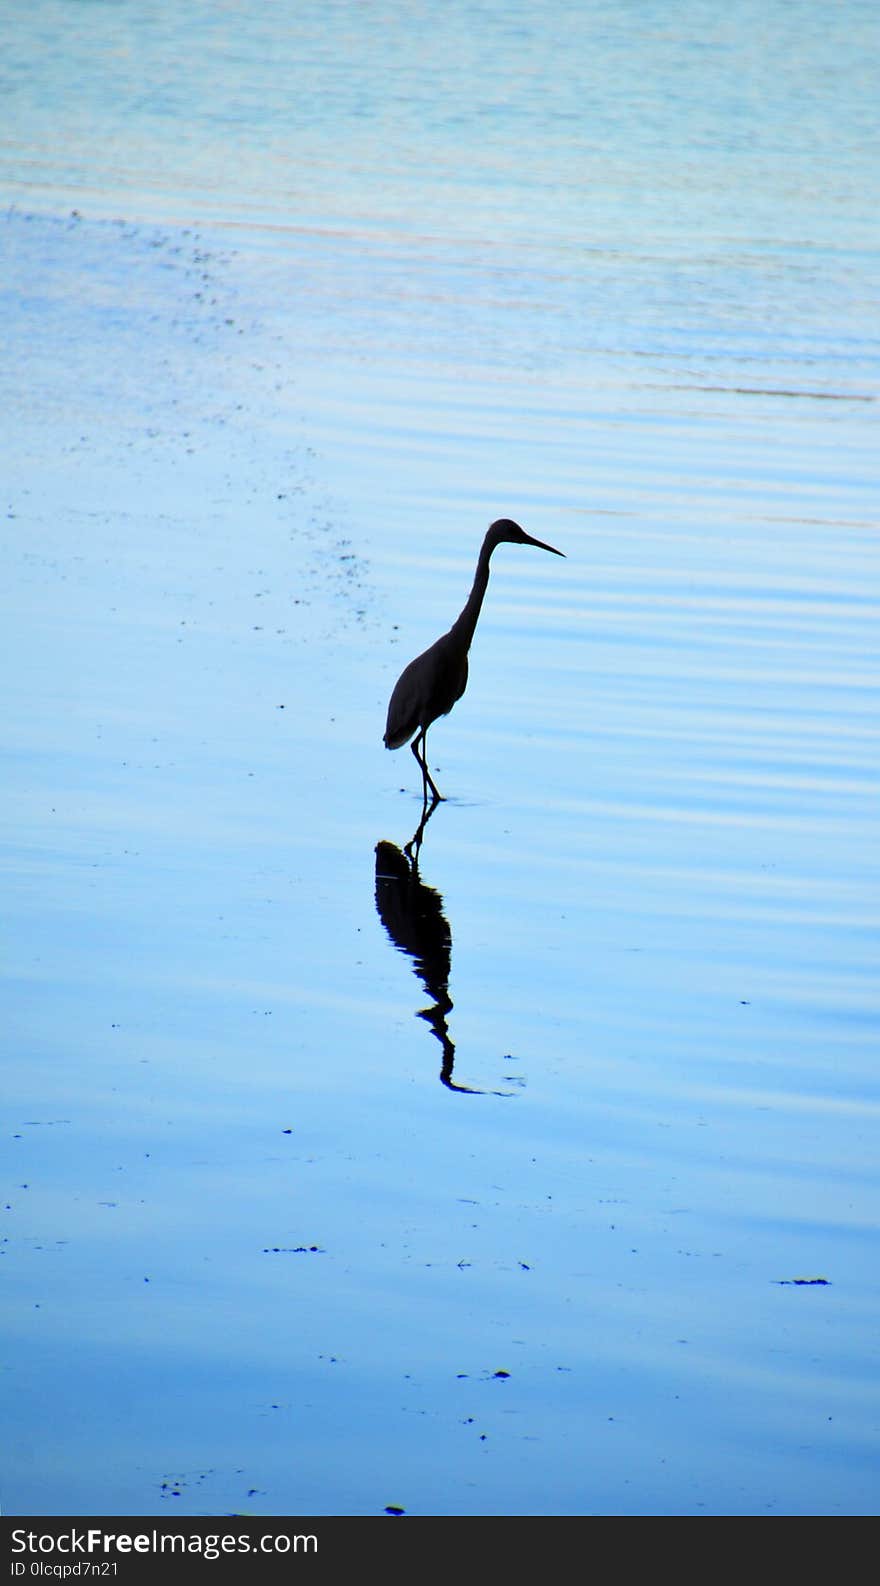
{"x": 428, "y": 688}
{"x": 436, "y": 679}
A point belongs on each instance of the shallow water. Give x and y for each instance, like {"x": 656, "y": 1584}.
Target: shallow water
{"x": 488, "y": 1187}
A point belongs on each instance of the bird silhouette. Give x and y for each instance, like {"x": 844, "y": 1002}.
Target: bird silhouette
{"x": 436, "y": 679}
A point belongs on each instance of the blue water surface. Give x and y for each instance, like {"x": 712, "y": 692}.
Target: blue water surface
{"x": 540, "y": 1177}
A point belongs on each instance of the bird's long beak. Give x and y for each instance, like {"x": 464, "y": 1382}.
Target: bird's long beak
{"x": 541, "y": 546}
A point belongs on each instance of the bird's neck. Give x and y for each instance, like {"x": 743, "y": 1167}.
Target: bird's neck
{"x": 464, "y": 625}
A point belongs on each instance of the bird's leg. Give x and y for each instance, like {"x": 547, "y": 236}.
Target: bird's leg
{"x": 435, "y": 791}
{"x": 421, "y": 765}
{"x": 427, "y": 779}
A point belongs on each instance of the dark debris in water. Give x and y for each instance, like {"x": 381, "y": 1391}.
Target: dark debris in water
{"x": 293, "y": 1250}
{"x": 804, "y": 1282}
{"x": 175, "y": 1486}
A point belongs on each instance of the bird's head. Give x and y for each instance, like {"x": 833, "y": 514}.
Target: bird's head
{"x": 505, "y": 532}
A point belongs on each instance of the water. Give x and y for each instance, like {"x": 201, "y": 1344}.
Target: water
{"x": 304, "y": 1148}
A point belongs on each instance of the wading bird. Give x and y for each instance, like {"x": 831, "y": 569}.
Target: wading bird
{"x": 431, "y": 684}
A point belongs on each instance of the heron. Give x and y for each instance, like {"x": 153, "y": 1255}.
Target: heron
{"x": 435, "y": 680}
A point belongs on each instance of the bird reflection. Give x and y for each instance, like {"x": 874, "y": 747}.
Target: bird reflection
{"x": 412, "y": 914}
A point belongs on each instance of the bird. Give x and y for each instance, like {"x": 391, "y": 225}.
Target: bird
{"x": 436, "y": 679}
